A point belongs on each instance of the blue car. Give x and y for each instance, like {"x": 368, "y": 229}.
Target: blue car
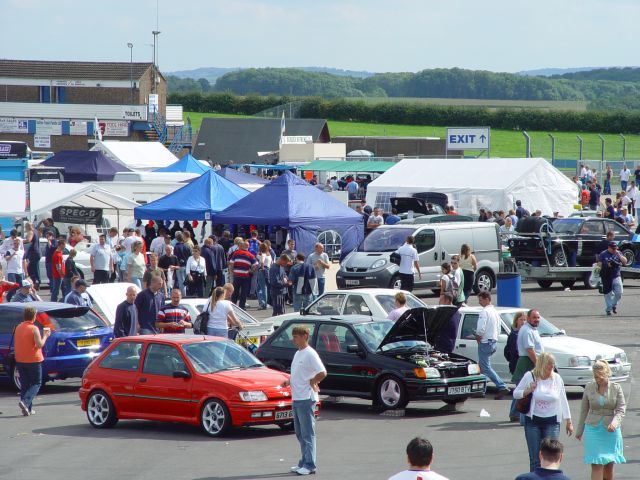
{"x": 78, "y": 335}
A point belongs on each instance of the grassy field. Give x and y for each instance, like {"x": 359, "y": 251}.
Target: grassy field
{"x": 578, "y": 106}
{"x": 504, "y": 143}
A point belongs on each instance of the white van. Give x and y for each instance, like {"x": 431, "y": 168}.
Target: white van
{"x": 370, "y": 264}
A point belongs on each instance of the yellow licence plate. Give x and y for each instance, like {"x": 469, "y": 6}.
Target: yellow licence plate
{"x": 88, "y": 342}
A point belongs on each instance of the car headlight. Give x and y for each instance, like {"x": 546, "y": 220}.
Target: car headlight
{"x": 579, "y": 361}
{"x": 512, "y": 243}
{"x": 426, "y": 372}
{"x": 621, "y": 357}
{"x": 379, "y": 263}
{"x": 473, "y": 369}
{"x": 253, "y": 396}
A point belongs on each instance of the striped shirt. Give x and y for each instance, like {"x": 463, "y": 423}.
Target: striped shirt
{"x": 171, "y": 313}
{"x": 242, "y": 261}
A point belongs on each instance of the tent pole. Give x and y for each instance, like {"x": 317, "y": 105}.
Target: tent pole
{"x": 118, "y": 219}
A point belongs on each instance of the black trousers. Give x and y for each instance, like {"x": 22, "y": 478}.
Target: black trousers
{"x": 406, "y": 281}
{"x": 241, "y": 288}
{"x": 100, "y": 276}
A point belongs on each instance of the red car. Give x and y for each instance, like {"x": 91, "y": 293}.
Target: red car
{"x": 207, "y": 381}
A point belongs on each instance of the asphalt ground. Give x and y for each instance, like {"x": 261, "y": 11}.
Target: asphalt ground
{"x": 354, "y": 441}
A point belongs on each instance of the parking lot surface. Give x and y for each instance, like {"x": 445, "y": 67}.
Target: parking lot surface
{"x": 354, "y": 441}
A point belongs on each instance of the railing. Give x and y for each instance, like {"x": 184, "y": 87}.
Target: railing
{"x": 160, "y": 126}
{"x": 182, "y": 136}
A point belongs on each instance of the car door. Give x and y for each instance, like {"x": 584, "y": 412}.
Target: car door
{"x": 426, "y": 243}
{"x": 279, "y": 349}
{"x": 158, "y": 393}
{"x": 119, "y": 370}
{"x": 591, "y": 234}
{"x": 9, "y": 320}
{"x": 346, "y": 372}
{"x": 328, "y": 304}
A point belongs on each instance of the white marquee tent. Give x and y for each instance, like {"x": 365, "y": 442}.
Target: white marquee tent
{"x": 47, "y": 196}
{"x": 474, "y": 183}
{"x": 137, "y": 155}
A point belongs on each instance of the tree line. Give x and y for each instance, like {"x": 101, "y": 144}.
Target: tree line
{"x": 414, "y": 113}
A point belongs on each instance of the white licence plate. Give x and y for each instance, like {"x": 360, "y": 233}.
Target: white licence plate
{"x": 284, "y": 415}
{"x": 352, "y": 282}
{"x": 459, "y": 390}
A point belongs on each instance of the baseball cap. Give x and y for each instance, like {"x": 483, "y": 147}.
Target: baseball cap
{"x": 613, "y": 245}
{"x": 26, "y": 284}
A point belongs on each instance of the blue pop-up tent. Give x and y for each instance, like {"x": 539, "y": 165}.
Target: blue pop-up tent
{"x": 84, "y": 166}
{"x": 198, "y": 200}
{"x": 187, "y": 164}
{"x": 290, "y": 202}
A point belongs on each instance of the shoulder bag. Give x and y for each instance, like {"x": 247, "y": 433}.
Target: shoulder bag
{"x": 200, "y": 323}
{"x": 523, "y": 405}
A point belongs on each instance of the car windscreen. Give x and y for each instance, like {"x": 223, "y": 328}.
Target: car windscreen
{"x": 388, "y": 302}
{"x": 545, "y": 327}
{"x": 385, "y": 239}
{"x": 211, "y": 357}
{"x": 243, "y": 316}
{"x": 64, "y": 322}
{"x": 567, "y": 225}
{"x": 372, "y": 333}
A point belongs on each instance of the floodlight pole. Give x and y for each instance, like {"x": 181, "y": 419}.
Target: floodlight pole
{"x": 580, "y": 142}
{"x": 527, "y": 146}
{"x": 553, "y": 147}
{"x": 624, "y": 148}
{"x": 130, "y": 45}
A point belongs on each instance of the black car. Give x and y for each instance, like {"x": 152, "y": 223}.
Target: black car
{"x": 390, "y": 363}
{"x": 573, "y": 241}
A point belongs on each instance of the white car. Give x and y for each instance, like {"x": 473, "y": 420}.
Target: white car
{"x": 106, "y": 298}
{"x": 574, "y": 356}
{"x": 376, "y": 302}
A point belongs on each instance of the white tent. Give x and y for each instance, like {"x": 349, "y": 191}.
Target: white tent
{"x": 47, "y": 196}
{"x": 474, "y": 183}
{"x": 137, "y": 155}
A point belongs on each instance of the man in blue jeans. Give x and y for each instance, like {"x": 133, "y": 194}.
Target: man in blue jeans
{"x": 487, "y": 338}
{"x": 307, "y": 371}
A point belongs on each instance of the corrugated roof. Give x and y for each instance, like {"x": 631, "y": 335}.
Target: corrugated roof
{"x": 72, "y": 70}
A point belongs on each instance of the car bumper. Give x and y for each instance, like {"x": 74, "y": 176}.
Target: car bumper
{"x": 73, "y": 366}
{"x": 447, "y": 389}
{"x": 377, "y": 278}
{"x": 262, "y": 413}
{"x": 580, "y": 376}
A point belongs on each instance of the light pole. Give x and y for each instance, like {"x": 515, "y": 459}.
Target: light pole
{"x": 155, "y": 58}
{"x": 130, "y": 45}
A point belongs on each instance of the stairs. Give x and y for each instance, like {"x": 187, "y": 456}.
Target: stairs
{"x": 175, "y": 138}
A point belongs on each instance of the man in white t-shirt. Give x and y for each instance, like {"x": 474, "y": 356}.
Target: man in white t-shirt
{"x": 307, "y": 371}
{"x": 624, "y": 177}
{"x": 375, "y": 220}
{"x": 101, "y": 261}
{"x": 419, "y": 457}
{"x": 487, "y": 331}
{"x": 408, "y": 261}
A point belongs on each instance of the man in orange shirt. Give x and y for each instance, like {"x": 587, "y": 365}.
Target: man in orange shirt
{"x": 57, "y": 269}
{"x": 28, "y": 350}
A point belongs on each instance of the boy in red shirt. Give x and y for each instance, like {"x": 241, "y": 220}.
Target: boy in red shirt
{"x": 57, "y": 270}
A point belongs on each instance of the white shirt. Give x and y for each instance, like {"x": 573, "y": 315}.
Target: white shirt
{"x": 306, "y": 364}
{"x": 549, "y": 398}
{"x": 632, "y": 193}
{"x": 583, "y": 172}
{"x": 418, "y": 475}
{"x": 376, "y": 220}
{"x": 528, "y": 337}
{"x": 101, "y": 255}
{"x": 157, "y": 246}
{"x": 199, "y": 266}
{"x": 408, "y": 255}
{"x": 14, "y": 263}
{"x": 625, "y": 201}
{"x": 127, "y": 242}
{"x": 624, "y": 174}
{"x": 218, "y": 316}
{"x": 488, "y": 324}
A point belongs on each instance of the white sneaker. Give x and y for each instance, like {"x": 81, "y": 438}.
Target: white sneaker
{"x": 295, "y": 469}
{"x": 23, "y": 408}
{"x": 32, "y": 412}
{"x": 305, "y": 471}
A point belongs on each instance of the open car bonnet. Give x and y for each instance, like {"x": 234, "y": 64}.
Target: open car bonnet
{"x": 436, "y": 326}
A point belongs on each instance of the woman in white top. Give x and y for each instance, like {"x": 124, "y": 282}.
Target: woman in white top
{"x": 507, "y": 229}
{"x": 196, "y": 268}
{"x": 136, "y": 264}
{"x": 446, "y": 291}
{"x": 549, "y": 405}
{"x": 468, "y": 264}
{"x": 221, "y": 314}
{"x": 264, "y": 264}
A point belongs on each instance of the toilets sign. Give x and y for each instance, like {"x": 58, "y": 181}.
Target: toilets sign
{"x": 475, "y": 138}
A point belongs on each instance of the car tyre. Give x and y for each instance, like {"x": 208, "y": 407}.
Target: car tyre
{"x": 100, "y": 410}
{"x": 286, "y": 426}
{"x": 483, "y": 282}
{"x": 558, "y": 258}
{"x": 15, "y": 378}
{"x": 390, "y": 393}
{"x": 215, "y": 418}
{"x": 395, "y": 282}
{"x": 545, "y": 283}
{"x": 567, "y": 283}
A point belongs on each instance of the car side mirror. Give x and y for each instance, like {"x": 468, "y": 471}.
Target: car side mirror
{"x": 181, "y": 374}
{"x": 357, "y": 349}
{"x": 303, "y": 311}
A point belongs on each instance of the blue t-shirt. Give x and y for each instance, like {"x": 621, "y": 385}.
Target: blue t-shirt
{"x": 543, "y": 473}
{"x": 392, "y": 219}
{"x": 610, "y": 264}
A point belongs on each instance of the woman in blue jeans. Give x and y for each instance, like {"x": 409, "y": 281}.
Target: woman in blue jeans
{"x": 549, "y": 406}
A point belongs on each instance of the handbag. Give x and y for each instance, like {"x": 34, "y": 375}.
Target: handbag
{"x": 199, "y": 325}
{"x": 523, "y": 405}
{"x": 395, "y": 258}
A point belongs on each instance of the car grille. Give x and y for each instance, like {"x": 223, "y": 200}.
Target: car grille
{"x": 355, "y": 270}
{"x": 454, "y": 372}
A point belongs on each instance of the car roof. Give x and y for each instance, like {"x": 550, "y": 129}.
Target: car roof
{"x": 371, "y": 291}
{"x": 443, "y": 225}
{"x": 499, "y": 309}
{"x": 181, "y": 339}
{"x": 351, "y": 319}
{"x": 41, "y": 306}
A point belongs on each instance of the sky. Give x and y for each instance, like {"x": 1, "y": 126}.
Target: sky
{"x": 373, "y": 35}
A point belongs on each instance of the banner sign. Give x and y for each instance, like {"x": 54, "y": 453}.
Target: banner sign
{"x": 13, "y": 150}
{"x": 297, "y": 139}
{"x": 41, "y": 141}
{"x": 13, "y": 125}
{"x": 77, "y": 127}
{"x": 116, "y": 129}
{"x": 48, "y": 127}
{"x": 77, "y": 215}
{"x": 134, "y": 112}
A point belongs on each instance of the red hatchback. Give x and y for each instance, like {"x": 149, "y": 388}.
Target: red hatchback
{"x": 205, "y": 381}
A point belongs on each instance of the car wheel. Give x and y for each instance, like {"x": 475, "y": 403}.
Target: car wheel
{"x": 629, "y": 254}
{"x": 567, "y": 283}
{"x": 215, "y": 418}
{"x": 483, "y": 282}
{"x": 286, "y": 426}
{"x": 395, "y": 283}
{"x": 15, "y": 378}
{"x": 100, "y": 410}
{"x": 558, "y": 258}
{"x": 457, "y": 401}
{"x": 545, "y": 283}
{"x": 390, "y": 393}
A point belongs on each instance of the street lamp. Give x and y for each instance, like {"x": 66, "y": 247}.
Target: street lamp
{"x": 130, "y": 45}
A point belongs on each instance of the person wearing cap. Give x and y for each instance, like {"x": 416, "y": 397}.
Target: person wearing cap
{"x": 26, "y": 293}
{"x": 610, "y": 262}
{"x": 78, "y": 295}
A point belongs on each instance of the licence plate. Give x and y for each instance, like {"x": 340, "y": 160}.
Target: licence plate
{"x": 459, "y": 390}
{"x": 284, "y": 415}
{"x": 352, "y": 282}
{"x": 88, "y": 342}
